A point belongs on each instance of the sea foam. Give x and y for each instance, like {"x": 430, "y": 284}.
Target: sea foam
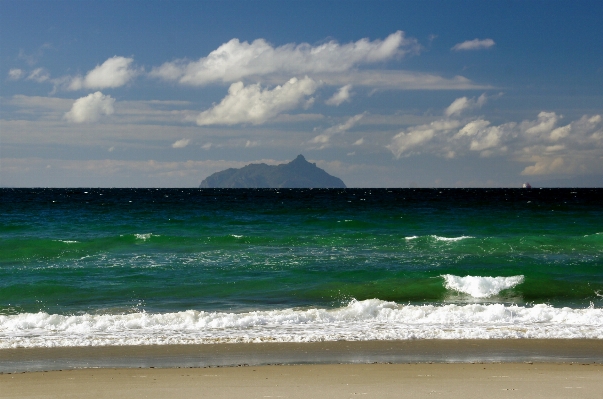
{"x": 480, "y": 287}
{"x": 371, "y": 319}
{"x": 451, "y": 239}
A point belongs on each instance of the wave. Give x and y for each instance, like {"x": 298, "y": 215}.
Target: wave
{"x": 371, "y": 319}
{"x": 450, "y": 239}
{"x": 480, "y": 287}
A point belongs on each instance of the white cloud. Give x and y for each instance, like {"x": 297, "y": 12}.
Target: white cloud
{"x": 573, "y": 148}
{"x": 90, "y": 108}
{"x": 206, "y": 146}
{"x": 235, "y": 60}
{"x": 475, "y": 44}
{"x": 252, "y": 104}
{"x": 321, "y": 139}
{"x": 114, "y": 72}
{"x": 340, "y": 96}
{"x": 359, "y": 141}
{"x": 462, "y": 104}
{"x": 545, "y": 166}
{"x": 15, "y": 74}
{"x": 545, "y": 123}
{"x": 180, "y": 143}
{"x": 39, "y": 75}
{"x": 410, "y": 141}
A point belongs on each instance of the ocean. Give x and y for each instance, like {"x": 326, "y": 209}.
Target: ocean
{"x": 112, "y": 267}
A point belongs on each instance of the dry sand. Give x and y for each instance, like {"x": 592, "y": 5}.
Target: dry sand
{"x": 501, "y": 380}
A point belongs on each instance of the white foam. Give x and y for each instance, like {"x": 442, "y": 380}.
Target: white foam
{"x": 451, "y": 239}
{"x": 480, "y": 287}
{"x": 143, "y": 237}
{"x": 411, "y": 238}
{"x": 358, "y": 321}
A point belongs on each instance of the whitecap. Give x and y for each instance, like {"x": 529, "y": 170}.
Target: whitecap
{"x": 451, "y": 239}
{"x": 480, "y": 287}
{"x": 143, "y": 237}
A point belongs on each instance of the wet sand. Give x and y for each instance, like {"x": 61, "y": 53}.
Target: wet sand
{"x": 411, "y": 351}
{"x": 500, "y": 369}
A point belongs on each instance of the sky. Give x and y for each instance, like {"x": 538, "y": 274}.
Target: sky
{"x": 378, "y": 93}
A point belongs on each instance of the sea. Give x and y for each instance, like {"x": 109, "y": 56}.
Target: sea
{"x": 114, "y": 267}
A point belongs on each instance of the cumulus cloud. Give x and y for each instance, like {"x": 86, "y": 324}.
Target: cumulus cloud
{"x": 475, "y": 44}
{"x": 15, "y": 74}
{"x": 90, "y": 108}
{"x": 252, "y": 104}
{"x": 543, "y": 125}
{"x": 180, "y": 143}
{"x": 340, "y": 96}
{"x": 548, "y": 147}
{"x": 235, "y": 60}
{"x": 114, "y": 72}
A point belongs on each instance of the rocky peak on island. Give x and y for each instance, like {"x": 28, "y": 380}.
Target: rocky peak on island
{"x": 298, "y": 173}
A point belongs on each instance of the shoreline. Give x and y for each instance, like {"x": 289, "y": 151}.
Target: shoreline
{"x": 462, "y": 351}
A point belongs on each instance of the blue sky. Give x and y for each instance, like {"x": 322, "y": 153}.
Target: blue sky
{"x": 379, "y": 93}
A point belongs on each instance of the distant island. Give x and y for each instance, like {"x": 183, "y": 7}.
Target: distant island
{"x": 298, "y": 173}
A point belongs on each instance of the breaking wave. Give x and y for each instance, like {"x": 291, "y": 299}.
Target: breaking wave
{"x": 480, "y": 287}
{"x": 371, "y": 319}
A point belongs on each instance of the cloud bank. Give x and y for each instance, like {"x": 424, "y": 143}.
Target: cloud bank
{"x": 235, "y": 60}
{"x": 576, "y": 147}
{"x": 90, "y": 108}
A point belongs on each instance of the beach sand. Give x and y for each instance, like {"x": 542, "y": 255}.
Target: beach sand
{"x": 555, "y": 369}
{"x": 500, "y": 380}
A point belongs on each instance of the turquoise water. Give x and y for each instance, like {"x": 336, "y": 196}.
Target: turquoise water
{"x": 80, "y": 257}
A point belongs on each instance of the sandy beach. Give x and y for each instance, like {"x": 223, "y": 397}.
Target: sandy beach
{"x": 500, "y": 380}
{"x": 421, "y": 368}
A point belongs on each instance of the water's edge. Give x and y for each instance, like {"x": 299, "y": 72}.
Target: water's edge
{"x": 225, "y": 355}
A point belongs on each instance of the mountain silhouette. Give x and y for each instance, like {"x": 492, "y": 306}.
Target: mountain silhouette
{"x": 298, "y": 173}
